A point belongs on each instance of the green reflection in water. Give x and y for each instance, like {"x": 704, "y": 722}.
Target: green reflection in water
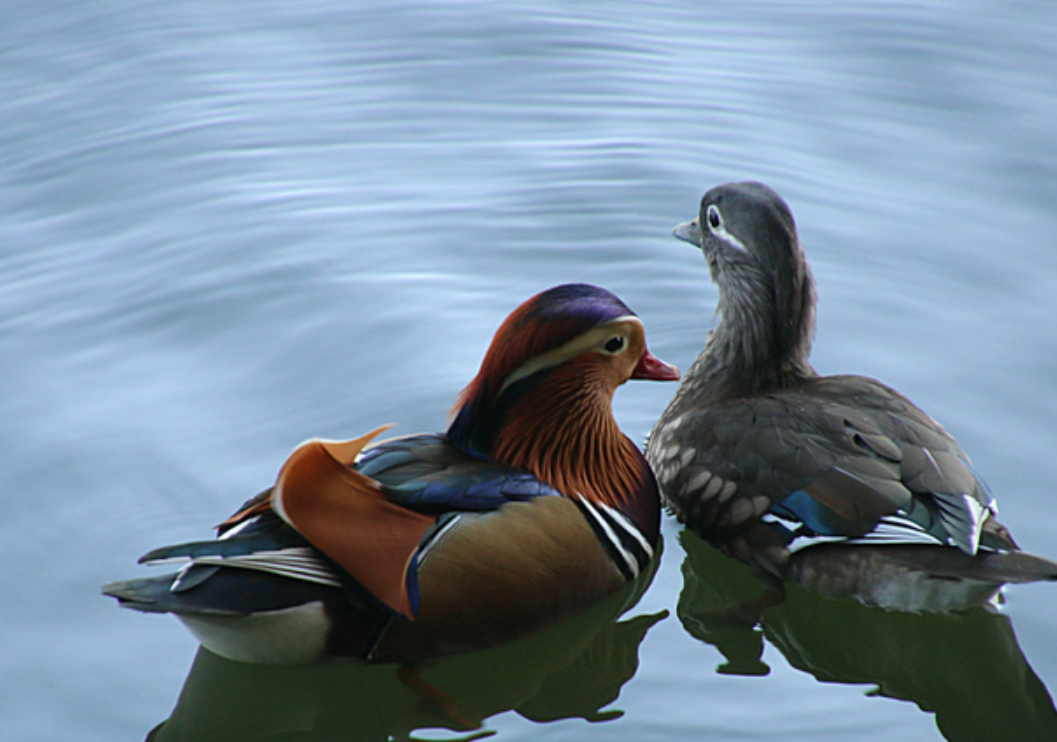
{"x": 573, "y": 669}
{"x": 965, "y": 667}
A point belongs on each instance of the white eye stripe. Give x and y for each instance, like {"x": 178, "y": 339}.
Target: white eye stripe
{"x": 719, "y": 230}
{"x": 574, "y": 347}
{"x": 730, "y": 239}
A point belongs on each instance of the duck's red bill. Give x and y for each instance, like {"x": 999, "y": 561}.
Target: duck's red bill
{"x": 652, "y": 367}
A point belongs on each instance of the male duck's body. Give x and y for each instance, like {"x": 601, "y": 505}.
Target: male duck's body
{"x": 839, "y": 482}
{"x": 532, "y": 506}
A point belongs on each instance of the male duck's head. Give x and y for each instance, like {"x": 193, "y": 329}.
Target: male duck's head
{"x": 558, "y": 357}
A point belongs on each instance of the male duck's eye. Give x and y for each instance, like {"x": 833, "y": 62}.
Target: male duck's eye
{"x": 615, "y": 344}
{"x": 714, "y": 219}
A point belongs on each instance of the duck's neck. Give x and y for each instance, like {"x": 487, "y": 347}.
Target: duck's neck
{"x": 562, "y": 430}
{"x": 763, "y": 339}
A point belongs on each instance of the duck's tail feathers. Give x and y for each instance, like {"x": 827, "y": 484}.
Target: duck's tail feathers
{"x": 1012, "y": 567}
{"x": 996, "y": 567}
{"x": 149, "y": 594}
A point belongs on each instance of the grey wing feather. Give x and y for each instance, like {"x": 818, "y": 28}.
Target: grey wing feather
{"x": 862, "y": 450}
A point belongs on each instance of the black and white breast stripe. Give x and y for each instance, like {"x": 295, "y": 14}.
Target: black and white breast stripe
{"x": 626, "y": 545}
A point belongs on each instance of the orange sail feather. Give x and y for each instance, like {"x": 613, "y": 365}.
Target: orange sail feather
{"x": 346, "y": 516}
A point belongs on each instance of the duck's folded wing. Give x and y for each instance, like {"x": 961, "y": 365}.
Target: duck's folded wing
{"x": 236, "y": 574}
{"x": 265, "y": 544}
{"x": 856, "y": 465}
{"x": 729, "y": 463}
{"x": 950, "y": 502}
{"x": 428, "y": 474}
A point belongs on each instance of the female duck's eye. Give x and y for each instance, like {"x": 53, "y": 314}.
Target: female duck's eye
{"x": 714, "y": 220}
{"x": 615, "y": 344}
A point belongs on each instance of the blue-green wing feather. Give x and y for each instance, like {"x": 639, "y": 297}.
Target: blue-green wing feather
{"x": 427, "y": 474}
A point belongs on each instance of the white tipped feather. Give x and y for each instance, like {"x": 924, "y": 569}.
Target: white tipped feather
{"x": 298, "y": 563}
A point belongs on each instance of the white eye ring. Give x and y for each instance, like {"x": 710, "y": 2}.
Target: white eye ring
{"x": 715, "y": 221}
{"x": 615, "y": 344}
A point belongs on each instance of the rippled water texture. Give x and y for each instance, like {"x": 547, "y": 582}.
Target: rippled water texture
{"x": 229, "y": 226}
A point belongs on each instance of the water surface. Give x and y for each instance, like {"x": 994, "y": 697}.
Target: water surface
{"x": 230, "y": 226}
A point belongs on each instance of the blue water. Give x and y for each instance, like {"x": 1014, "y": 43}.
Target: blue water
{"x": 229, "y": 226}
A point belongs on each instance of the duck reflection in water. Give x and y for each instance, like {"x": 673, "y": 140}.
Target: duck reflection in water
{"x": 965, "y": 667}
{"x": 573, "y": 669}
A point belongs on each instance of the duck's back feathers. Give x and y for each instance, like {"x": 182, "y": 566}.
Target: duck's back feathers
{"x": 840, "y": 458}
{"x": 427, "y": 474}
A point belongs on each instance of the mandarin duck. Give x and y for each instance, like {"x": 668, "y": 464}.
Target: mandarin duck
{"x": 532, "y": 506}
{"x": 838, "y": 482}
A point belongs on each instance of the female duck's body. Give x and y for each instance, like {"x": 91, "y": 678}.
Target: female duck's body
{"x": 839, "y": 482}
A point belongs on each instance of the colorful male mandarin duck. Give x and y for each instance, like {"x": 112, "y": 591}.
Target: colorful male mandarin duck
{"x": 789, "y": 470}
{"x": 532, "y": 506}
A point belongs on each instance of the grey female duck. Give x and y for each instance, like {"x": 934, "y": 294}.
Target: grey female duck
{"x": 837, "y": 482}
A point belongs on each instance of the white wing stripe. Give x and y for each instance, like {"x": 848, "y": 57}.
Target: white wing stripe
{"x": 298, "y": 563}
{"x": 891, "y": 529}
